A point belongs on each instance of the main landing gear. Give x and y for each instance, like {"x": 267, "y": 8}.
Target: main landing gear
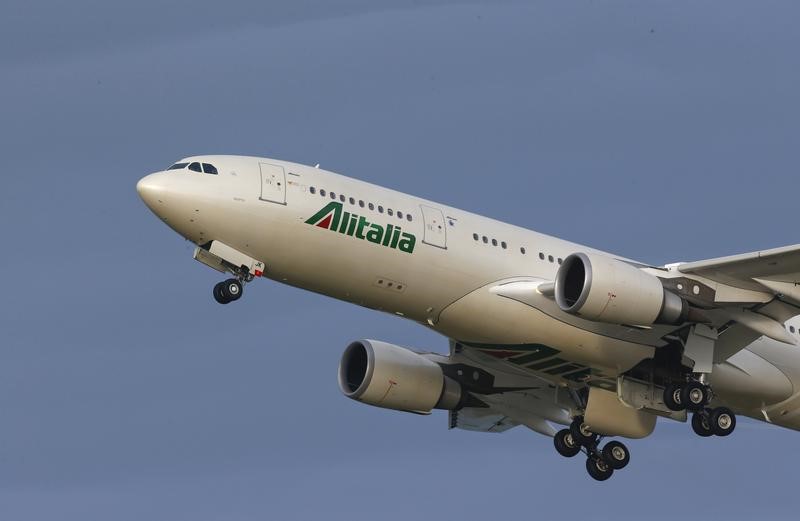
{"x": 694, "y": 397}
{"x": 228, "y": 291}
{"x": 713, "y": 422}
{"x": 600, "y": 463}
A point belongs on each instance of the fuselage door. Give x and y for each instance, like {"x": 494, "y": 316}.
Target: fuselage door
{"x": 273, "y": 183}
{"x": 435, "y": 230}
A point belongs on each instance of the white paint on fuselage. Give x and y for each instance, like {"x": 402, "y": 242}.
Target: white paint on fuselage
{"x": 447, "y": 289}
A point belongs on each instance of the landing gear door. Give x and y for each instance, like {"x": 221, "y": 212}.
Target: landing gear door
{"x": 273, "y": 183}
{"x": 435, "y": 230}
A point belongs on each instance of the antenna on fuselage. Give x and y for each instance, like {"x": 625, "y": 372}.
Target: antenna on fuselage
{"x": 316, "y": 166}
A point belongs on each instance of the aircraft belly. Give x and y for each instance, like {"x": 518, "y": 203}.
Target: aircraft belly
{"x": 783, "y": 358}
{"x": 487, "y": 321}
{"x": 747, "y": 381}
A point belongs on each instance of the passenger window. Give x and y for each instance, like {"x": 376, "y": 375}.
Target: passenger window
{"x": 389, "y": 211}
{"x": 352, "y": 201}
{"x": 195, "y": 167}
{"x": 485, "y": 240}
{"x": 333, "y": 195}
{"x": 522, "y": 250}
{"x": 342, "y": 198}
{"x": 322, "y": 192}
{"x": 494, "y": 242}
{"x": 408, "y": 217}
{"x": 504, "y": 245}
{"x": 380, "y": 209}
{"x": 550, "y": 258}
{"x": 399, "y": 215}
{"x": 361, "y": 203}
{"x": 312, "y": 190}
{"x": 371, "y": 206}
{"x": 541, "y": 255}
{"x": 475, "y": 236}
{"x": 178, "y": 166}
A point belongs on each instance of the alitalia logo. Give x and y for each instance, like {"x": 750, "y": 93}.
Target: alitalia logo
{"x": 333, "y": 218}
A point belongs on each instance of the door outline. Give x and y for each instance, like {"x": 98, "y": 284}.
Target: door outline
{"x": 435, "y": 232}
{"x": 273, "y": 183}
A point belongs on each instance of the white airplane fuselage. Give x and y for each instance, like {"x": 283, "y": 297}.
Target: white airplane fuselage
{"x": 437, "y": 265}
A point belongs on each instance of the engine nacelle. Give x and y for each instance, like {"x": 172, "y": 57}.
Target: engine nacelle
{"x": 604, "y": 289}
{"x": 393, "y": 377}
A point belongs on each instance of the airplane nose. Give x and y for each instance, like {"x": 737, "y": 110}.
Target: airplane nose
{"x": 151, "y": 189}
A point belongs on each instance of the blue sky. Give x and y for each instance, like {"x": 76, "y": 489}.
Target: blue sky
{"x": 662, "y": 131}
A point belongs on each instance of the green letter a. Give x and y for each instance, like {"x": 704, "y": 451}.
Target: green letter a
{"x": 328, "y": 217}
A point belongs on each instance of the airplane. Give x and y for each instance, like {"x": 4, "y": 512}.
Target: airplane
{"x": 572, "y": 342}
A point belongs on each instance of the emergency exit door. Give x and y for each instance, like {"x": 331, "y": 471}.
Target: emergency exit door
{"x": 435, "y": 230}
{"x": 273, "y": 183}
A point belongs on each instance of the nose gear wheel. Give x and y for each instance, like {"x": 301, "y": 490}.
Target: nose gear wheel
{"x": 228, "y": 291}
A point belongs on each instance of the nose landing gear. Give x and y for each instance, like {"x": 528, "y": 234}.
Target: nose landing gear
{"x": 228, "y": 291}
{"x": 225, "y": 259}
{"x": 231, "y": 290}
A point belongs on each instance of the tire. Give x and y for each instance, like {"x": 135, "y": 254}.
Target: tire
{"x": 598, "y": 469}
{"x": 694, "y": 396}
{"x": 616, "y": 454}
{"x": 701, "y": 424}
{"x": 580, "y": 433}
{"x": 565, "y": 444}
{"x": 672, "y": 398}
{"x": 232, "y": 290}
{"x": 218, "y": 295}
{"x": 722, "y": 421}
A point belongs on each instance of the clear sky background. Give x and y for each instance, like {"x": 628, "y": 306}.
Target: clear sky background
{"x": 662, "y": 131}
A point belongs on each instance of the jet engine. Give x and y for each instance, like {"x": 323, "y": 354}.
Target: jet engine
{"x": 393, "y": 377}
{"x": 604, "y": 289}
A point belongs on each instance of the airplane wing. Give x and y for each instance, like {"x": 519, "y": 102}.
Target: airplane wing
{"x": 776, "y": 271}
{"x": 507, "y": 410}
{"x": 506, "y": 396}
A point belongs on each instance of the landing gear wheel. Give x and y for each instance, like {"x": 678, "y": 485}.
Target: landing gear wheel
{"x": 598, "y": 469}
{"x": 672, "y": 398}
{"x": 581, "y": 433}
{"x": 218, "y": 296}
{"x": 701, "y": 424}
{"x": 722, "y": 421}
{"x": 616, "y": 455}
{"x": 694, "y": 395}
{"x": 228, "y": 291}
{"x": 565, "y": 444}
{"x": 232, "y": 289}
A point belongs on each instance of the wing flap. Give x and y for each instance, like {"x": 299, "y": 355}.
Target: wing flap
{"x": 480, "y": 419}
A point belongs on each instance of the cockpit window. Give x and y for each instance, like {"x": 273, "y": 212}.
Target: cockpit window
{"x": 209, "y": 169}
{"x": 177, "y": 166}
{"x": 195, "y": 167}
